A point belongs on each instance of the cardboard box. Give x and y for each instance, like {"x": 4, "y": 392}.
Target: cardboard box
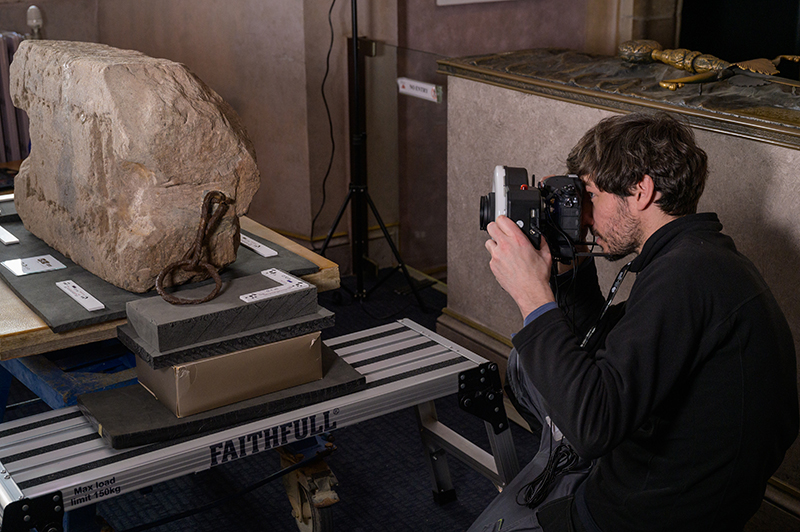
{"x": 195, "y": 387}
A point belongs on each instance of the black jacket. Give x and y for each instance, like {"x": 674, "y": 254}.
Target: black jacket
{"x": 687, "y": 398}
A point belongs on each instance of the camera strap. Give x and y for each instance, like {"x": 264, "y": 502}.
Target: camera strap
{"x": 609, "y": 300}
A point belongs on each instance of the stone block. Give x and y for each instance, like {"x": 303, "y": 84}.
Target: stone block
{"x": 124, "y": 148}
{"x": 164, "y": 326}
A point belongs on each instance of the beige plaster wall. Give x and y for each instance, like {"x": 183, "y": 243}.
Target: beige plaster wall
{"x": 752, "y": 185}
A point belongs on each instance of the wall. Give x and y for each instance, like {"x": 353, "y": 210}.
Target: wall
{"x": 427, "y": 32}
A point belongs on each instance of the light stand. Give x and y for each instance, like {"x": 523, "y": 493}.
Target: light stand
{"x": 358, "y": 195}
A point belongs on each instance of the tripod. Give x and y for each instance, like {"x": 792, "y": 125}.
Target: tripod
{"x": 358, "y": 195}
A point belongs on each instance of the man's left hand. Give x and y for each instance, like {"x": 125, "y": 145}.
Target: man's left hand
{"x": 522, "y": 270}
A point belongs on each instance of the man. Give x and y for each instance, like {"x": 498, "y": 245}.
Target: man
{"x": 679, "y": 403}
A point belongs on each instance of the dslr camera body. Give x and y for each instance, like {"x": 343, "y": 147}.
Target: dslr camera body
{"x": 552, "y": 209}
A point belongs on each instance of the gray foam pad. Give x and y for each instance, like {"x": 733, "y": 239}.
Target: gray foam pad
{"x": 61, "y": 313}
{"x": 131, "y": 416}
{"x": 165, "y": 327}
{"x": 275, "y": 332}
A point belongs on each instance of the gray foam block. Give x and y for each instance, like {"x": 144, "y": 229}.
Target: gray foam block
{"x": 291, "y": 328}
{"x": 164, "y": 326}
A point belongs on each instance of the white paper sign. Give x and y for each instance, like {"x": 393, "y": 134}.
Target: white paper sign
{"x": 257, "y": 246}
{"x": 420, "y": 89}
{"x": 42, "y": 263}
{"x": 73, "y": 290}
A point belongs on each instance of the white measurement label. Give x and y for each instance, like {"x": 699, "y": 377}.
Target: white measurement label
{"x": 286, "y": 284}
{"x": 6, "y": 237}
{"x": 41, "y": 263}
{"x": 86, "y": 300}
{"x": 258, "y": 247}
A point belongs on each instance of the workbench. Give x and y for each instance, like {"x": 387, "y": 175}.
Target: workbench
{"x": 56, "y": 461}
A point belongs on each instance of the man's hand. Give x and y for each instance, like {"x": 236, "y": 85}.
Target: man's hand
{"x": 520, "y": 269}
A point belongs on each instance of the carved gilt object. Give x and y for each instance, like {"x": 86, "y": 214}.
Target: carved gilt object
{"x": 705, "y": 67}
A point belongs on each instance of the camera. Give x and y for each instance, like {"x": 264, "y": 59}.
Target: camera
{"x": 552, "y": 209}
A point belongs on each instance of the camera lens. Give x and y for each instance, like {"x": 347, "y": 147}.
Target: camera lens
{"x": 487, "y": 210}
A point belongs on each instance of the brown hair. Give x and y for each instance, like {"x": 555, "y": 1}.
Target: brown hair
{"x": 618, "y": 152}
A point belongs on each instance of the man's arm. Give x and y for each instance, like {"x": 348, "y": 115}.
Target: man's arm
{"x": 524, "y": 272}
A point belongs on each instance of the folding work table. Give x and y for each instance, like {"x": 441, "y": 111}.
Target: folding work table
{"x": 56, "y": 461}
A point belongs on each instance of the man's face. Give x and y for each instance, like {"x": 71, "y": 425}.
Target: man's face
{"x": 609, "y": 218}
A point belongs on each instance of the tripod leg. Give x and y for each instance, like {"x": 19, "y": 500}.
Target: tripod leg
{"x": 395, "y": 252}
{"x": 335, "y": 223}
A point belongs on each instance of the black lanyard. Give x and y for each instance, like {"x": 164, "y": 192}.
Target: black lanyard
{"x": 609, "y": 300}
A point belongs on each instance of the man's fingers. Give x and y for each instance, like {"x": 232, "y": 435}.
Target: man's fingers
{"x": 508, "y": 227}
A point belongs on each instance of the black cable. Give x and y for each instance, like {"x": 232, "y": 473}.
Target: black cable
{"x": 560, "y": 463}
{"x": 554, "y": 265}
{"x": 330, "y": 126}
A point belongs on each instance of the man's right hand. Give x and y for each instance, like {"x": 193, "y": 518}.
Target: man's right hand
{"x": 522, "y": 270}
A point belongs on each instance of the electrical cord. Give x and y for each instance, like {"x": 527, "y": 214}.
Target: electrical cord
{"x": 561, "y": 301}
{"x": 330, "y": 127}
{"x": 560, "y": 463}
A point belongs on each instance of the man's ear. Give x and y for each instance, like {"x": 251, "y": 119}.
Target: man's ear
{"x": 645, "y": 193}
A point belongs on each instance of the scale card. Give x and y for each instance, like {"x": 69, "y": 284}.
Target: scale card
{"x": 41, "y": 263}
{"x": 257, "y": 246}
{"x": 86, "y": 300}
{"x": 284, "y": 283}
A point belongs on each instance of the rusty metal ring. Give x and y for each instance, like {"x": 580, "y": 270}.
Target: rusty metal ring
{"x": 169, "y": 298}
{"x": 192, "y": 259}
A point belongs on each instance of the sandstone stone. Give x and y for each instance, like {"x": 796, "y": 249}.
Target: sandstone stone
{"x": 124, "y": 148}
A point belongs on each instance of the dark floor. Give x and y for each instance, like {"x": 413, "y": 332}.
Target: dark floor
{"x": 384, "y": 483}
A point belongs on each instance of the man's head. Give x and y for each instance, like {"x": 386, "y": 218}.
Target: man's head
{"x": 619, "y": 151}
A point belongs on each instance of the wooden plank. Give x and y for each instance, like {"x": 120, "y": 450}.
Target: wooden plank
{"x": 327, "y": 278}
